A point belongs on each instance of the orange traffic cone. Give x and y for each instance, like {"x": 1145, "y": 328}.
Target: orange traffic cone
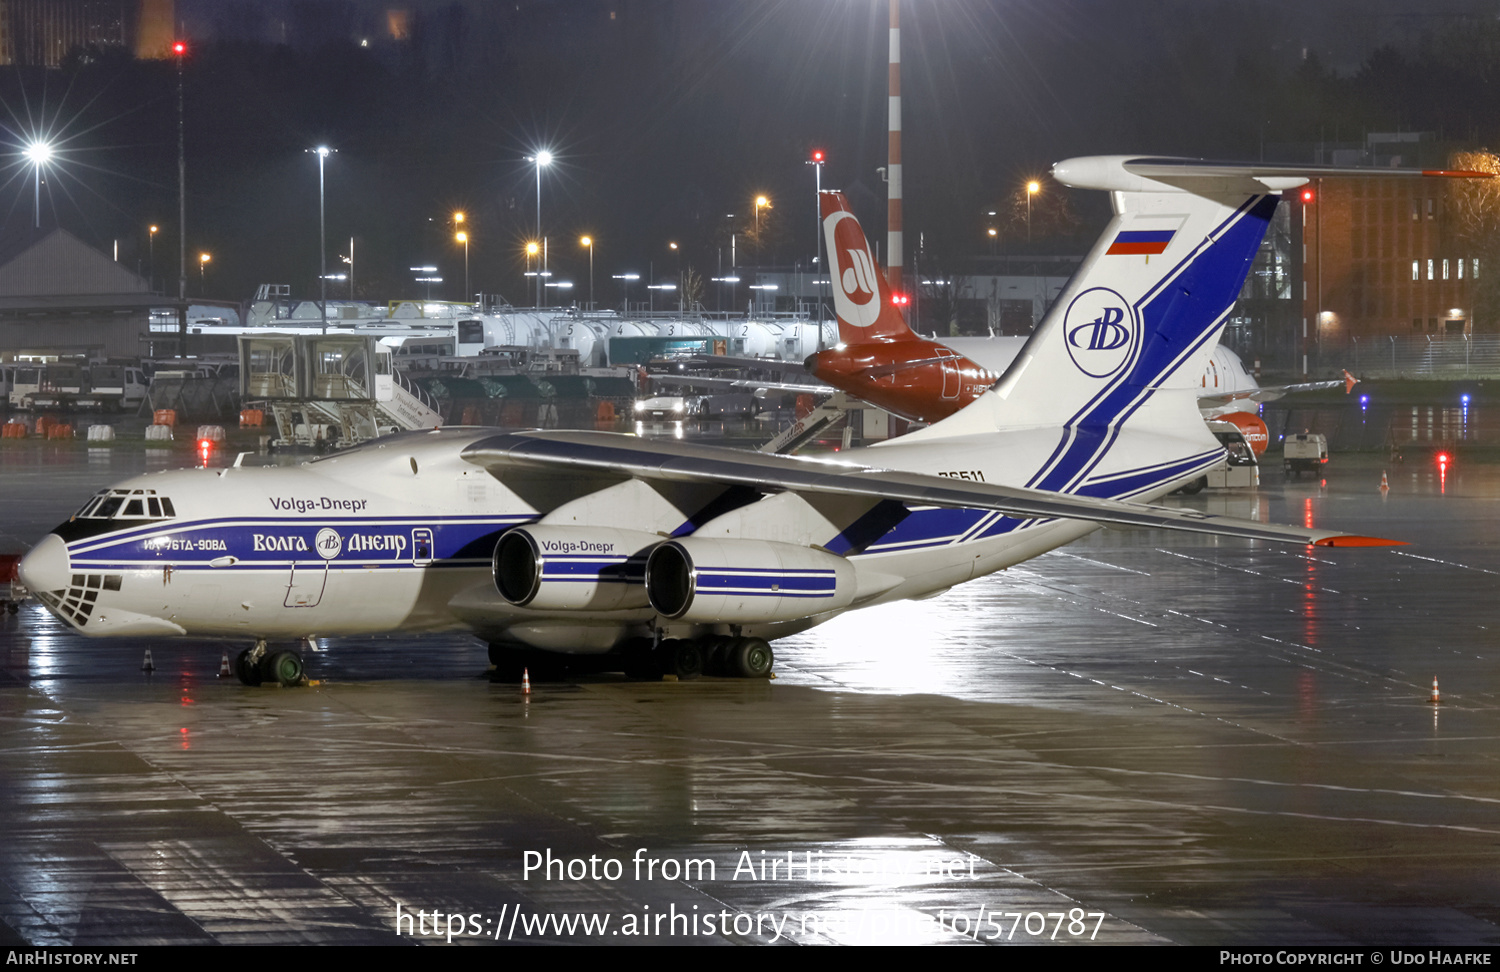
{"x": 525, "y": 681}
{"x": 1385, "y": 485}
{"x": 147, "y": 665}
{"x": 1436, "y": 699}
{"x": 224, "y": 671}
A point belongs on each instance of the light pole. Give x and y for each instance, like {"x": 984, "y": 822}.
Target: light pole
{"x": 627, "y": 278}
{"x": 463, "y": 238}
{"x": 179, "y": 49}
{"x": 678, "y": 254}
{"x": 993, "y": 235}
{"x": 542, "y": 160}
{"x": 761, "y": 202}
{"x": 651, "y": 309}
{"x": 322, "y": 152}
{"x": 429, "y": 281}
{"x": 532, "y": 249}
{"x": 151, "y": 250}
{"x": 817, "y": 163}
{"x": 588, "y": 241}
{"x": 203, "y": 260}
{"x": 350, "y": 260}
{"x": 39, "y": 153}
{"x": 1032, "y": 188}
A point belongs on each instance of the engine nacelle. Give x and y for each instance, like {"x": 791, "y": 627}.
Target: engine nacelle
{"x": 567, "y": 568}
{"x": 699, "y": 579}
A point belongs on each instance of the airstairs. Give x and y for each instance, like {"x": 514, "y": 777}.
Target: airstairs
{"x": 329, "y": 391}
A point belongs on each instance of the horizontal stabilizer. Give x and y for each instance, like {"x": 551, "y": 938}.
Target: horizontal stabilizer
{"x": 1128, "y": 173}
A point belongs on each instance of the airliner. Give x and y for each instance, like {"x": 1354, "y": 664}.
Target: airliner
{"x": 663, "y": 557}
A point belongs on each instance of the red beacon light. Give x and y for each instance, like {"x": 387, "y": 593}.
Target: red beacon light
{"x": 817, "y": 155}
{"x": 1443, "y": 458}
{"x": 1307, "y": 195}
{"x": 900, "y": 300}
{"x": 179, "y": 48}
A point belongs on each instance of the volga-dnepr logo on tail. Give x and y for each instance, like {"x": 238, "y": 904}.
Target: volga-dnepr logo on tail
{"x": 1101, "y": 332}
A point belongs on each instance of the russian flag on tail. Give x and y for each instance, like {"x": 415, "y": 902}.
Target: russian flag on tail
{"x": 1137, "y": 242}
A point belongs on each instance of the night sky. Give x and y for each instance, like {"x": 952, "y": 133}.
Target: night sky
{"x": 667, "y": 116}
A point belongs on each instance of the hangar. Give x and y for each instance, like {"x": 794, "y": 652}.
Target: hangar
{"x": 57, "y": 293}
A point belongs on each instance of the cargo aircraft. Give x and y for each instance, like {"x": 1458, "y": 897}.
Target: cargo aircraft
{"x": 656, "y": 557}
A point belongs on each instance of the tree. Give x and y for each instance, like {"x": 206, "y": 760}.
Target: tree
{"x": 1475, "y": 204}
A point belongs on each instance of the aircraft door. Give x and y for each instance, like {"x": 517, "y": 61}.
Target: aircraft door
{"x": 421, "y": 547}
{"x": 953, "y": 382}
{"x": 305, "y": 588}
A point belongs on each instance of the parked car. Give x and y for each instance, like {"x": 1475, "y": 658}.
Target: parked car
{"x": 666, "y": 407}
{"x": 1305, "y": 452}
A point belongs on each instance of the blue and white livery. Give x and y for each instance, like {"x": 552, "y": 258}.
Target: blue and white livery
{"x": 667, "y": 556}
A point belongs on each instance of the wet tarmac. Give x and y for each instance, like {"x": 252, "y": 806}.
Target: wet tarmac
{"x": 1141, "y": 738}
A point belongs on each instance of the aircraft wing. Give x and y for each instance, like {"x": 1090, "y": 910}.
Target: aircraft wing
{"x": 613, "y": 455}
{"x": 742, "y": 384}
{"x": 734, "y": 361}
{"x": 1268, "y": 393}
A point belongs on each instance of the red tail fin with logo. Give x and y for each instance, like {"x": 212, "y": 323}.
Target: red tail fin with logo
{"x": 867, "y": 309}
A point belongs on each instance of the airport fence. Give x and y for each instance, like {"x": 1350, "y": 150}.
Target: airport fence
{"x": 1419, "y": 356}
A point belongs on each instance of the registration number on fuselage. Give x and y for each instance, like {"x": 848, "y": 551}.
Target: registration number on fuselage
{"x": 184, "y": 543}
{"x": 973, "y": 475}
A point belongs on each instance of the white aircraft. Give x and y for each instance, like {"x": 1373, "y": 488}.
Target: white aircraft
{"x": 657, "y": 554}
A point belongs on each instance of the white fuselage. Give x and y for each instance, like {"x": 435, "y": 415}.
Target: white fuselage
{"x": 399, "y": 535}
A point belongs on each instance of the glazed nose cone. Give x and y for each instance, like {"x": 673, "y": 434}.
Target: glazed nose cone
{"x": 47, "y": 567}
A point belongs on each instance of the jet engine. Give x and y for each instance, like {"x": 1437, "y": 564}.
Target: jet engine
{"x": 698, "y": 579}
{"x": 566, "y": 568}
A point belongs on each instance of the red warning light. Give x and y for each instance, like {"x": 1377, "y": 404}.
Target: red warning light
{"x": 179, "y": 48}
{"x": 817, "y": 155}
{"x": 900, "y": 300}
{"x": 1442, "y": 458}
{"x": 1307, "y": 195}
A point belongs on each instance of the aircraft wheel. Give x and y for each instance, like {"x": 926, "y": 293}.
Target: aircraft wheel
{"x": 751, "y": 658}
{"x": 247, "y": 671}
{"x": 13, "y": 607}
{"x": 680, "y": 657}
{"x": 283, "y": 666}
{"x": 716, "y": 650}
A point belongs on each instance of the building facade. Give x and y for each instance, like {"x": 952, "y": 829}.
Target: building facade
{"x": 1382, "y": 258}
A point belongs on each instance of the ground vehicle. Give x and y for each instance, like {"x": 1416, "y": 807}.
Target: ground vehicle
{"x": 1239, "y": 470}
{"x": 666, "y": 407}
{"x": 113, "y": 386}
{"x": 74, "y": 384}
{"x": 1306, "y": 452}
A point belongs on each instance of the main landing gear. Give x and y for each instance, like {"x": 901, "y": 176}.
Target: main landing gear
{"x": 682, "y": 658}
{"x": 687, "y": 658}
{"x": 256, "y": 665}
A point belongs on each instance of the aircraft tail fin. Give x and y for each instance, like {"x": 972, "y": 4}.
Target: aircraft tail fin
{"x": 1126, "y": 342}
{"x": 867, "y": 309}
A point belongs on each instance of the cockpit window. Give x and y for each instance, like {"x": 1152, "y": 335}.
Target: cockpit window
{"x": 127, "y": 503}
